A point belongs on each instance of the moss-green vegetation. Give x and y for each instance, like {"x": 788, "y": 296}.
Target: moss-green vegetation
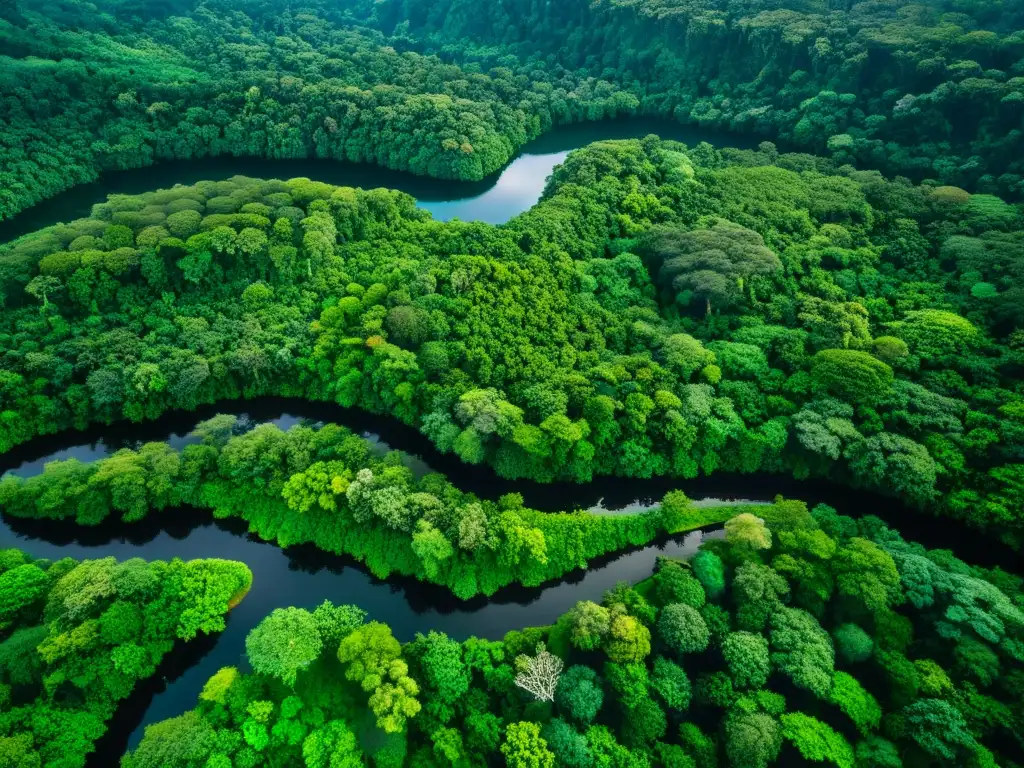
{"x": 323, "y": 486}
{"x": 76, "y": 638}
{"x": 661, "y": 311}
{"x": 453, "y": 88}
{"x": 817, "y": 636}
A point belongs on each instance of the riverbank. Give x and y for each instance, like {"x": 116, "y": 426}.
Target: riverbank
{"x": 602, "y": 495}
{"x": 494, "y": 200}
{"x": 332, "y": 489}
{"x": 304, "y": 577}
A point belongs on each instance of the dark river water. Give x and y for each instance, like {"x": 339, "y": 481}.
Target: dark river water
{"x": 495, "y": 199}
{"x": 304, "y": 576}
{"x": 301, "y": 576}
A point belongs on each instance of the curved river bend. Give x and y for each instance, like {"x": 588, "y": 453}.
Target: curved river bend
{"x": 299, "y": 576}
{"x": 495, "y": 199}
{"x": 304, "y": 576}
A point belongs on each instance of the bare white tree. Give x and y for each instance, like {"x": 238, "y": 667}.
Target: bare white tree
{"x": 539, "y": 674}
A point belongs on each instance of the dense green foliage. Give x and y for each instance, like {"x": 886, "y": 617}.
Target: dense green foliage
{"x": 83, "y": 91}
{"x": 663, "y": 310}
{"x": 452, "y": 89}
{"x": 325, "y": 486}
{"x": 926, "y": 89}
{"x": 861, "y": 329}
{"x": 610, "y": 684}
{"x": 76, "y": 637}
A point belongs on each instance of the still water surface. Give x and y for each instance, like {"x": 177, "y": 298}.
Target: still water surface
{"x": 495, "y": 199}
{"x": 297, "y": 576}
{"x": 304, "y": 576}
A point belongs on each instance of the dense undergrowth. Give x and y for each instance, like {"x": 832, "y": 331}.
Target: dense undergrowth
{"x": 453, "y": 89}
{"x": 77, "y": 637}
{"x": 661, "y": 311}
{"x": 818, "y": 639}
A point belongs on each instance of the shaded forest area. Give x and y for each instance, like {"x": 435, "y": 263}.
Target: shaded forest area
{"x": 452, "y": 89}
{"x": 662, "y": 311}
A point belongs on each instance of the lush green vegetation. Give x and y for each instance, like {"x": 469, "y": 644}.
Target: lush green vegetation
{"x": 76, "y": 637}
{"x": 661, "y": 311}
{"x": 664, "y": 310}
{"x": 931, "y": 90}
{"x": 820, "y": 637}
{"x": 87, "y": 91}
{"x": 452, "y": 88}
{"x": 323, "y": 486}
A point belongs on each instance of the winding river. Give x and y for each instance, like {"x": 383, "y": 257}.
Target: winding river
{"x": 304, "y": 576}
{"x": 299, "y": 576}
{"x": 495, "y": 199}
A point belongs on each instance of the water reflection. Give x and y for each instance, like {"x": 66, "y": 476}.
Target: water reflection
{"x": 495, "y": 199}
{"x": 305, "y": 576}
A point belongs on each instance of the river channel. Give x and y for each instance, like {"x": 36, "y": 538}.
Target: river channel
{"x": 495, "y": 199}
{"x": 298, "y": 576}
{"x": 304, "y": 576}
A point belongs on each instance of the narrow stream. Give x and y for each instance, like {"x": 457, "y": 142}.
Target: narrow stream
{"x": 602, "y": 495}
